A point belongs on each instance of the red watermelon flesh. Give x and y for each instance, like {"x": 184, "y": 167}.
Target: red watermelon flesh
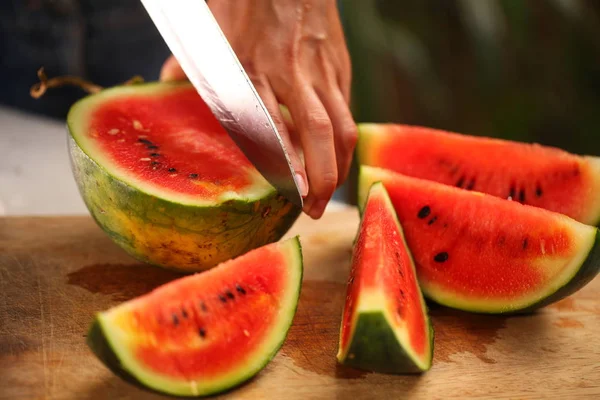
{"x": 207, "y": 332}
{"x": 481, "y": 253}
{"x": 531, "y": 174}
{"x": 385, "y": 326}
{"x": 167, "y": 142}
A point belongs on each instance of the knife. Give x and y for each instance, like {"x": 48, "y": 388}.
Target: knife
{"x": 197, "y": 42}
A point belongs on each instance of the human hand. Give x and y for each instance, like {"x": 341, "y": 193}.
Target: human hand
{"x": 295, "y": 54}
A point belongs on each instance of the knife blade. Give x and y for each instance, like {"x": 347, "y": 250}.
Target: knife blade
{"x": 197, "y": 42}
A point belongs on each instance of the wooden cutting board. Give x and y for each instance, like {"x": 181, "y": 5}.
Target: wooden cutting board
{"x": 55, "y": 273}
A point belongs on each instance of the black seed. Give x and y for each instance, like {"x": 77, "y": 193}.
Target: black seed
{"x": 172, "y": 170}
{"x": 576, "y": 171}
{"x": 240, "y": 289}
{"x": 154, "y": 155}
{"x": 424, "y": 212}
{"x": 154, "y": 163}
{"x": 193, "y": 176}
{"x": 525, "y": 243}
{"x": 229, "y": 294}
{"x": 460, "y": 182}
{"x": 145, "y": 141}
{"x": 501, "y": 240}
{"x": 402, "y": 293}
{"x": 203, "y": 306}
{"x": 432, "y": 220}
{"x": 152, "y": 147}
{"x": 471, "y": 184}
{"x": 512, "y": 192}
{"x": 522, "y": 195}
{"x": 441, "y": 257}
{"x": 222, "y": 298}
{"x": 453, "y": 171}
{"x": 175, "y": 320}
{"x": 538, "y": 191}
{"x": 184, "y": 313}
{"x": 202, "y": 333}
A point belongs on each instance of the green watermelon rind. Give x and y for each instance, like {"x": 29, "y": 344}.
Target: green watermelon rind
{"x": 159, "y": 229}
{"x": 374, "y": 344}
{"x": 369, "y": 133}
{"x": 107, "y": 349}
{"x": 586, "y": 267}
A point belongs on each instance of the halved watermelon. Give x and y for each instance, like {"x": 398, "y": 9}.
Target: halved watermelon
{"x": 208, "y": 332}
{"x": 162, "y": 177}
{"x": 385, "y": 326}
{"x": 531, "y": 174}
{"x": 480, "y": 253}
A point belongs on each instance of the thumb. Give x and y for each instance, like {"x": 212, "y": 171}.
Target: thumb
{"x": 171, "y": 71}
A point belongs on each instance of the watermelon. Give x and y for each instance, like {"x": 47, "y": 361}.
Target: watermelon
{"x": 477, "y": 252}
{"x": 532, "y": 174}
{"x": 385, "y": 326}
{"x": 162, "y": 177}
{"x": 208, "y": 332}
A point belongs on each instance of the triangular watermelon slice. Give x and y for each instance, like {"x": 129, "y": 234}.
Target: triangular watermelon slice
{"x": 532, "y": 174}
{"x": 385, "y": 326}
{"x": 208, "y": 332}
{"x": 480, "y": 253}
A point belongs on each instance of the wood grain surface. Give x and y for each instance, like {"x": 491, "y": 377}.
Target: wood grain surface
{"x": 55, "y": 273}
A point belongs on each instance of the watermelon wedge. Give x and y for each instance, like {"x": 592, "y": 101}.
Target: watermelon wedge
{"x": 532, "y": 174}
{"x": 205, "y": 333}
{"x": 162, "y": 177}
{"x": 385, "y": 326}
{"x": 480, "y": 253}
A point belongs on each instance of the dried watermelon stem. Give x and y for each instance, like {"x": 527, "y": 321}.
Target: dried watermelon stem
{"x": 44, "y": 84}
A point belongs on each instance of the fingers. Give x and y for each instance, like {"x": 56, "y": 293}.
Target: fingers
{"x": 344, "y": 130}
{"x": 270, "y": 101}
{"x": 171, "y": 71}
{"x": 316, "y": 135}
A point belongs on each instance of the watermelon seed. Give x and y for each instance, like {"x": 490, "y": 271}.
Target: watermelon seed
{"x": 154, "y": 163}
{"x": 471, "y": 184}
{"x": 460, "y": 182}
{"x": 424, "y": 212}
{"x": 576, "y": 171}
{"x": 441, "y": 257}
{"x": 246, "y": 333}
{"x": 525, "y": 242}
{"x": 193, "y": 176}
{"x": 402, "y": 293}
{"x": 154, "y": 155}
{"x": 203, "y": 306}
{"x": 175, "y": 320}
{"x": 522, "y": 195}
{"x": 144, "y": 159}
{"x": 152, "y": 147}
{"x": 512, "y": 193}
{"x": 172, "y": 170}
{"x": 240, "y": 289}
{"x": 432, "y": 220}
{"x": 222, "y": 298}
{"x": 202, "y": 333}
{"x": 229, "y": 294}
{"x": 145, "y": 141}
{"x": 113, "y": 131}
{"x": 184, "y": 313}
{"x": 538, "y": 191}
{"x": 501, "y": 240}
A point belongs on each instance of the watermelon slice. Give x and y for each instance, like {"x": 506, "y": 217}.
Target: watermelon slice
{"x": 162, "y": 177}
{"x": 480, "y": 253}
{"x": 208, "y": 332}
{"x": 385, "y": 326}
{"x": 531, "y": 174}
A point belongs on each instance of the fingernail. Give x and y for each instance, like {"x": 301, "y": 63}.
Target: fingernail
{"x": 301, "y": 185}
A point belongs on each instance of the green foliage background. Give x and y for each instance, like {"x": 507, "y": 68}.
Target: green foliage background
{"x": 526, "y": 70}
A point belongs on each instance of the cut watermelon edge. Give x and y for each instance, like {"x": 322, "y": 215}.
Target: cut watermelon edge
{"x": 77, "y": 119}
{"x": 109, "y": 343}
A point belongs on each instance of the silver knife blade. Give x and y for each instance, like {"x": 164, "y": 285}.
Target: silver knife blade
{"x": 197, "y": 42}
